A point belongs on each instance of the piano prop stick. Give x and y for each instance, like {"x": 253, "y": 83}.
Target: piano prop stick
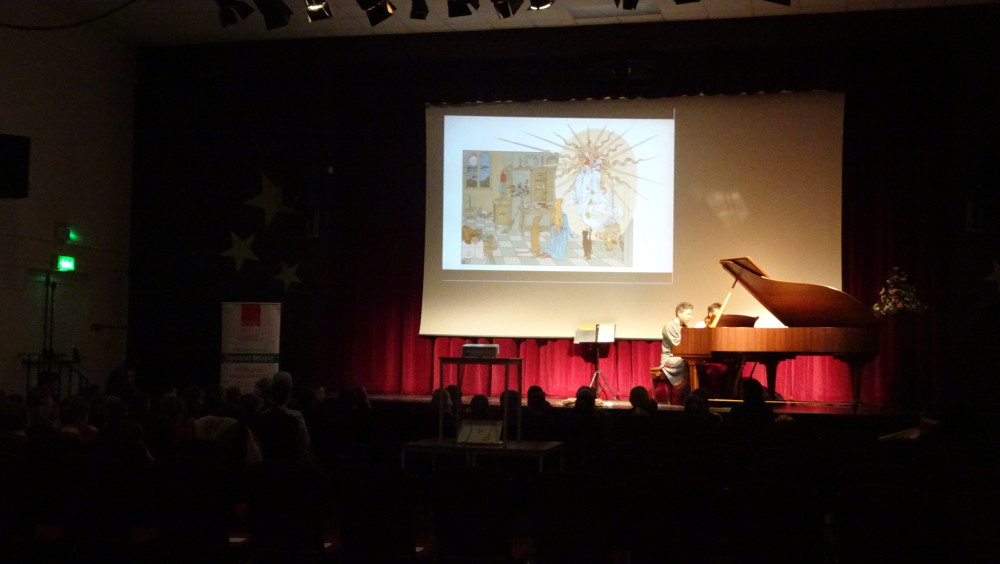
{"x": 722, "y": 309}
{"x": 819, "y": 320}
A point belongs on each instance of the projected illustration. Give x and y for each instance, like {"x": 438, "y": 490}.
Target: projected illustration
{"x": 546, "y": 193}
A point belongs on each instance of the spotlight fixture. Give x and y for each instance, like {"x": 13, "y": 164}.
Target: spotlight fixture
{"x": 457, "y": 8}
{"x": 419, "y": 10}
{"x": 231, "y": 11}
{"x": 275, "y": 12}
{"x": 507, "y": 8}
{"x": 377, "y": 10}
{"x": 540, "y": 4}
{"x": 318, "y": 10}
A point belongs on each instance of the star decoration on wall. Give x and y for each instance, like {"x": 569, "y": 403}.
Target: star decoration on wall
{"x": 995, "y": 275}
{"x": 288, "y": 275}
{"x": 241, "y": 250}
{"x": 269, "y": 200}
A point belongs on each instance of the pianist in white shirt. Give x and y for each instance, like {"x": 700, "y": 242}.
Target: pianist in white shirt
{"x": 713, "y": 312}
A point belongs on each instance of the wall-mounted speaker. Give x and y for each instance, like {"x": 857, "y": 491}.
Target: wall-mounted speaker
{"x": 15, "y": 157}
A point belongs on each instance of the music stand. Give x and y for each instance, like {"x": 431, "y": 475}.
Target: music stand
{"x": 587, "y": 337}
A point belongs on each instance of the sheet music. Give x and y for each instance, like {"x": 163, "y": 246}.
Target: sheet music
{"x": 597, "y": 333}
{"x": 606, "y": 333}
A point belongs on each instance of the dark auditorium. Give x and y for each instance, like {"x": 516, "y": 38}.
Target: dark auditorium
{"x": 505, "y": 282}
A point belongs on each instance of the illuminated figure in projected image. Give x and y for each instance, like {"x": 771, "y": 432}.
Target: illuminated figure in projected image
{"x": 595, "y": 176}
{"x": 560, "y": 232}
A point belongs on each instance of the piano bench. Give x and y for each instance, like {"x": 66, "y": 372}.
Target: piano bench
{"x": 663, "y": 390}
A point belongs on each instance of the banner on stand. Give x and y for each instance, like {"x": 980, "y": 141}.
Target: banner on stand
{"x": 251, "y": 337}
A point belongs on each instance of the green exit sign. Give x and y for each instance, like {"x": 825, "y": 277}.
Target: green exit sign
{"x": 65, "y": 263}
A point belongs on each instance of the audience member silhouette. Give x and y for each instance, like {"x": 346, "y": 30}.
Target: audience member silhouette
{"x": 640, "y": 422}
{"x": 280, "y": 433}
{"x": 697, "y": 415}
{"x": 540, "y": 420}
{"x": 753, "y": 408}
{"x": 121, "y": 382}
{"x": 444, "y": 415}
{"x": 262, "y": 387}
{"x": 167, "y": 428}
{"x": 587, "y": 429}
{"x": 479, "y": 407}
{"x": 74, "y": 412}
{"x": 537, "y": 402}
{"x": 43, "y": 411}
{"x": 120, "y": 426}
{"x": 282, "y": 399}
{"x": 639, "y": 398}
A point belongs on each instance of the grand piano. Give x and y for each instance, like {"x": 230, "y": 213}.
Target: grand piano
{"x": 819, "y": 321}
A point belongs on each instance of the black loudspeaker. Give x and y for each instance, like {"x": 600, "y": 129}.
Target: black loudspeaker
{"x": 15, "y": 156}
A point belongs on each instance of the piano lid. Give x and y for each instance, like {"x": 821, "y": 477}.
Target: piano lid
{"x": 799, "y": 304}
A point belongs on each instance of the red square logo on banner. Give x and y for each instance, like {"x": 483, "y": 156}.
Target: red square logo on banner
{"x": 250, "y": 315}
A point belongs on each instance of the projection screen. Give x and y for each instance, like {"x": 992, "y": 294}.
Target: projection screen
{"x": 544, "y": 217}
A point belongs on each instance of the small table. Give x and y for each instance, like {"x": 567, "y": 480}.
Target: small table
{"x": 472, "y": 452}
{"x": 462, "y": 361}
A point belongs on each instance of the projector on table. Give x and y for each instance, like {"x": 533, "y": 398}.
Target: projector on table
{"x": 480, "y": 351}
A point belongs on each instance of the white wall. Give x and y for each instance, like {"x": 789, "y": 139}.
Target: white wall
{"x": 71, "y": 93}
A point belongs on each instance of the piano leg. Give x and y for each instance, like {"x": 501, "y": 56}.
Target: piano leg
{"x": 856, "y": 365}
{"x": 771, "y": 366}
{"x": 693, "y": 383}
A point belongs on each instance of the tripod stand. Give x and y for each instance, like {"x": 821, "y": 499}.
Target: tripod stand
{"x": 598, "y": 381}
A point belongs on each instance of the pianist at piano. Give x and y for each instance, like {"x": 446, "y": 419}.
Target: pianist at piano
{"x": 818, "y": 320}
{"x": 674, "y": 367}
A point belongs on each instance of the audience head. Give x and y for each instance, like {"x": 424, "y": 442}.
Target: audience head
{"x": 283, "y": 376}
{"x": 454, "y": 394}
{"x": 43, "y": 407}
{"x": 120, "y": 381}
{"x": 440, "y": 399}
{"x": 280, "y": 392}
{"x": 751, "y": 391}
{"x": 251, "y": 404}
{"x": 536, "y": 398}
{"x": 638, "y": 396}
{"x": 262, "y": 387}
{"x": 586, "y": 400}
{"x": 355, "y": 399}
{"x": 696, "y": 404}
{"x": 479, "y": 406}
{"x": 510, "y": 399}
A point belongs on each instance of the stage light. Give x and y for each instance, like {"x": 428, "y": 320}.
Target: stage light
{"x": 377, "y": 10}
{"x": 540, "y": 4}
{"x": 457, "y": 8}
{"x": 231, "y": 11}
{"x": 419, "y": 10}
{"x": 507, "y": 8}
{"x": 318, "y": 10}
{"x": 275, "y": 12}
